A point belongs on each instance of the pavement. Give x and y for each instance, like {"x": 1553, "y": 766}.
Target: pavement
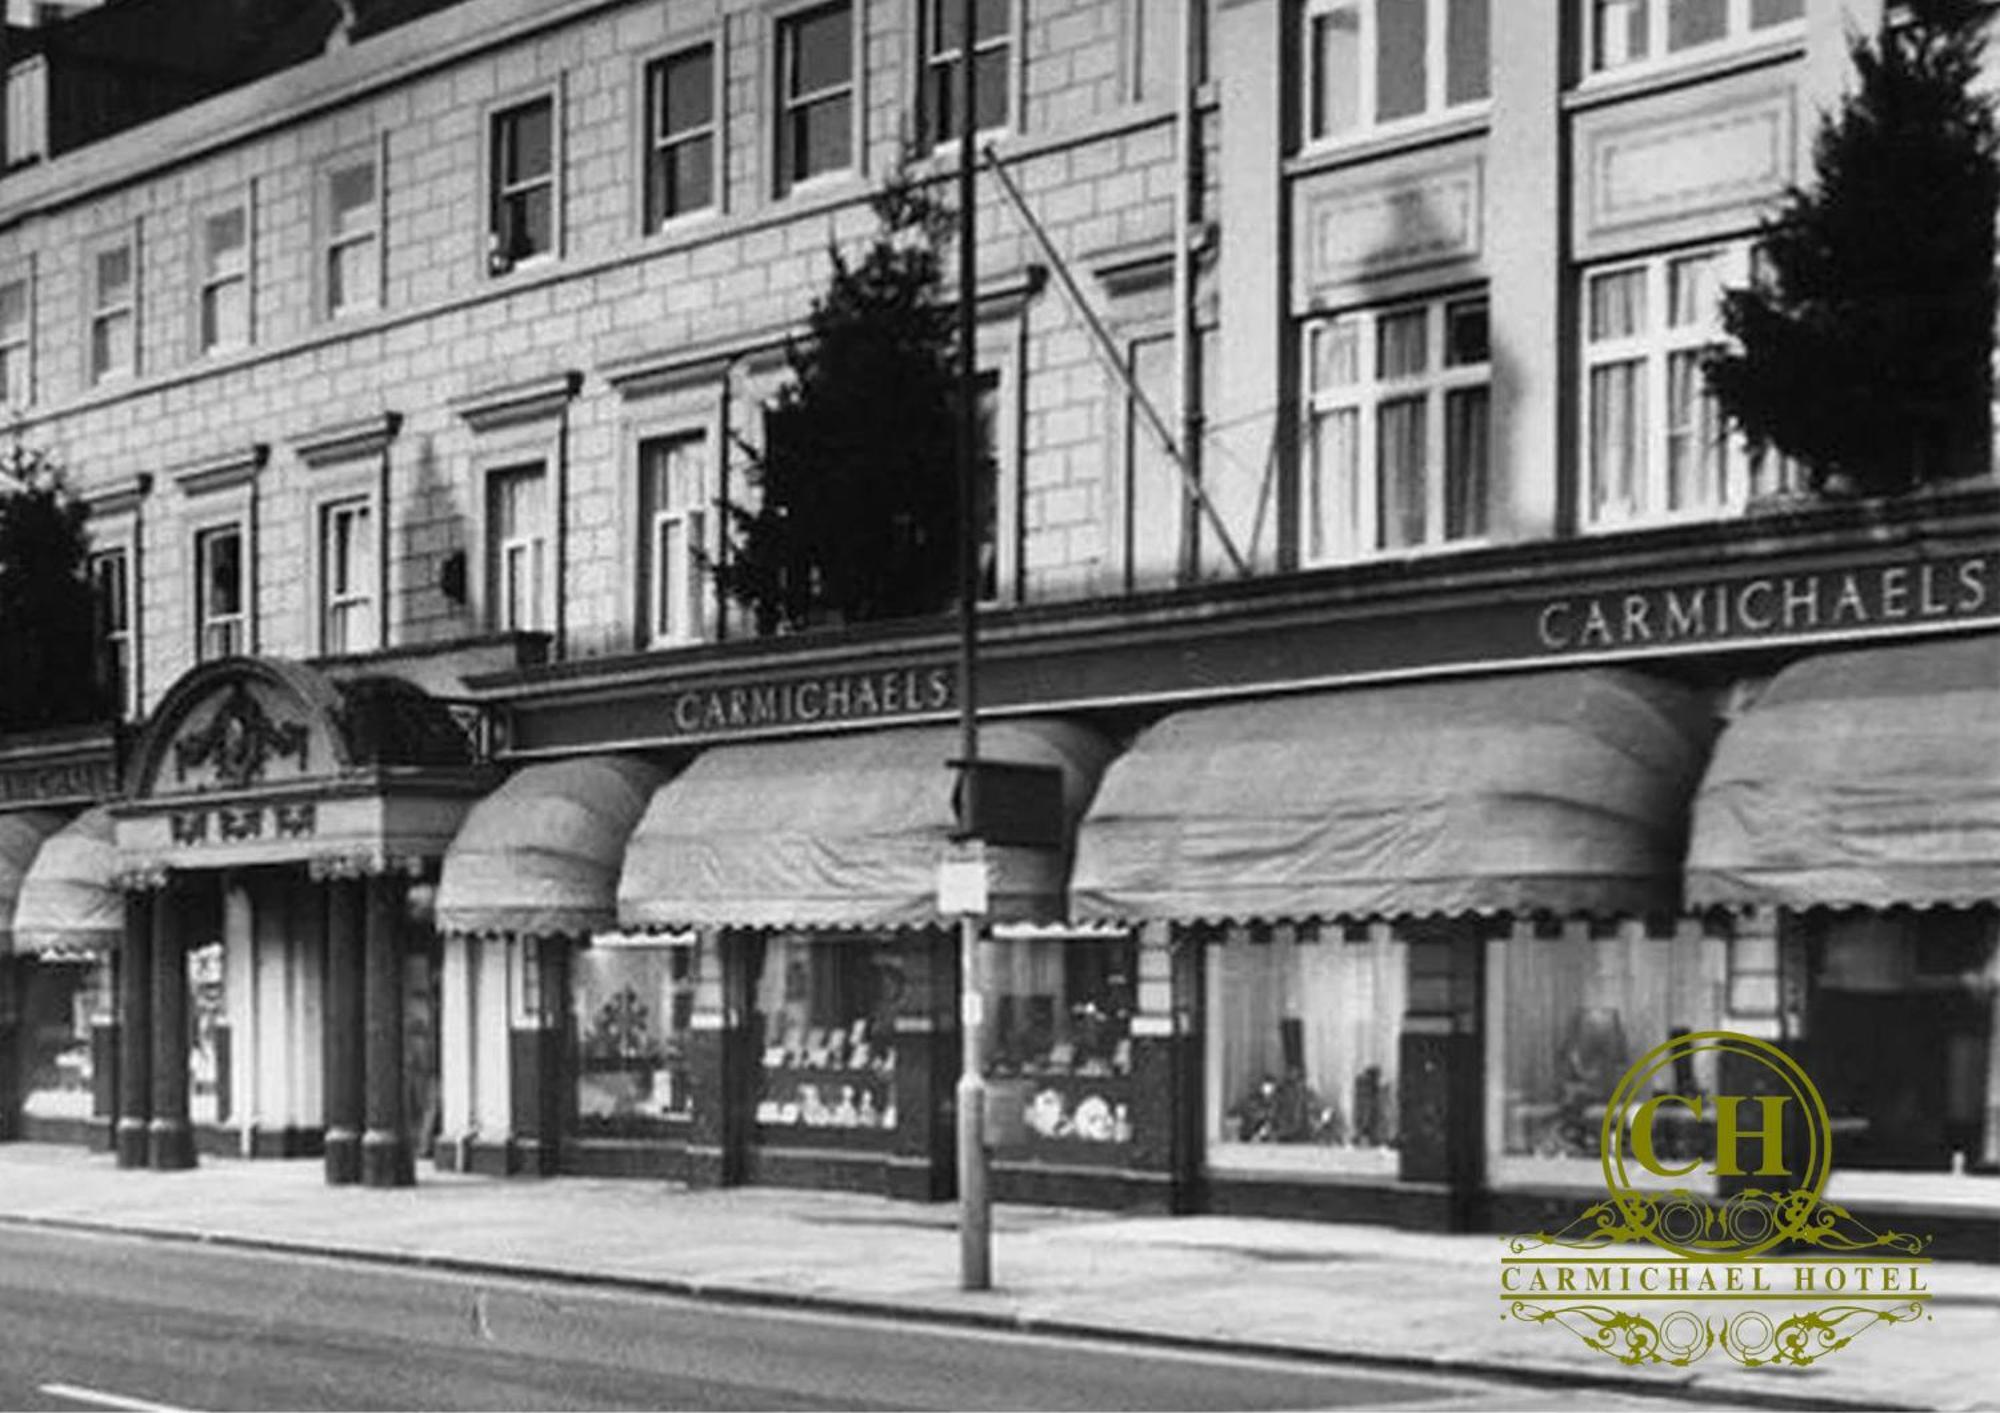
{"x": 1422, "y": 1301}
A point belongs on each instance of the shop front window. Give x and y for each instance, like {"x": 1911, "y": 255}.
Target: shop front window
{"x": 1567, "y": 1016}
{"x": 827, "y": 1005}
{"x": 1302, "y": 1050}
{"x": 61, "y": 1002}
{"x": 1902, "y": 1039}
{"x": 632, "y": 999}
{"x": 208, "y": 1044}
{"x": 1063, "y": 1026}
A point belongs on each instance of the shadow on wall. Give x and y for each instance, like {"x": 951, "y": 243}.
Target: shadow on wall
{"x": 432, "y": 557}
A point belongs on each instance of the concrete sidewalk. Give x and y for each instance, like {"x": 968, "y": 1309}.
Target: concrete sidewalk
{"x": 1320, "y": 1289}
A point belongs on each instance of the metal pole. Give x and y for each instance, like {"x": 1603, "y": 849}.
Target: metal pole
{"x": 975, "y": 1253}
{"x": 1187, "y": 386}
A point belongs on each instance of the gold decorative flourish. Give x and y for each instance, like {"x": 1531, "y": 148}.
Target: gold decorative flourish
{"x": 1681, "y": 1337}
{"x": 1693, "y": 1220}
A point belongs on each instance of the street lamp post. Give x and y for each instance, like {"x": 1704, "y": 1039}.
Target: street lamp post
{"x": 975, "y": 1247}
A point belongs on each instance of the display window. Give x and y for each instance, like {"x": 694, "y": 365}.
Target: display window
{"x": 1567, "y": 1015}
{"x": 1303, "y": 1032}
{"x": 1063, "y": 1027}
{"x": 827, "y": 1006}
{"x": 631, "y": 1000}
{"x": 1902, "y": 1039}
{"x": 61, "y": 1002}
{"x": 208, "y": 1043}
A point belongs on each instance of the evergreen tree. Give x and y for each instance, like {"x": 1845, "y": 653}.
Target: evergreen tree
{"x": 48, "y": 620}
{"x": 1865, "y": 340}
{"x": 856, "y": 513}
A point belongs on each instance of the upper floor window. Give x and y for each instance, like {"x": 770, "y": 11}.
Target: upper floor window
{"x": 523, "y": 184}
{"x": 111, "y": 581}
{"x": 680, "y": 135}
{"x": 351, "y": 257}
{"x": 517, "y": 519}
{"x": 1656, "y": 443}
{"x": 1370, "y": 63}
{"x": 1399, "y": 440}
{"x": 114, "y": 322}
{"x": 1626, "y": 32}
{"x": 673, "y": 499}
{"x": 16, "y": 390}
{"x": 225, "y": 279}
{"x": 944, "y": 64}
{"x": 25, "y": 124}
{"x": 221, "y": 624}
{"x": 815, "y": 93}
{"x": 347, "y": 576}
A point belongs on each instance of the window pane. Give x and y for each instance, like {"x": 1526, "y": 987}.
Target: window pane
{"x": 1337, "y": 354}
{"x": 1400, "y": 40}
{"x": 822, "y": 50}
{"x": 1468, "y": 41}
{"x": 350, "y": 275}
{"x": 686, "y": 177}
{"x": 1303, "y": 1038}
{"x": 1333, "y": 509}
{"x": 1621, "y": 32}
{"x": 1063, "y": 1020}
{"x": 828, "y": 1010}
{"x": 1466, "y": 336}
{"x": 13, "y": 310}
{"x": 989, "y": 19}
{"x": 1617, "y": 304}
{"x": 13, "y": 377}
{"x": 1692, "y": 22}
{"x": 222, "y": 572}
{"x": 1399, "y": 484}
{"x": 822, "y": 138}
{"x": 1696, "y": 445}
{"x": 632, "y": 1007}
{"x": 527, "y": 225}
{"x": 1402, "y": 343}
{"x": 1617, "y": 439}
{"x": 1694, "y": 290}
{"x": 1336, "y": 56}
{"x": 114, "y": 276}
{"x": 526, "y": 142}
{"x": 351, "y": 199}
{"x": 225, "y": 314}
{"x": 111, "y": 344}
{"x": 688, "y": 99}
{"x": 224, "y": 239}
{"x": 1774, "y": 12}
{"x": 1466, "y": 453}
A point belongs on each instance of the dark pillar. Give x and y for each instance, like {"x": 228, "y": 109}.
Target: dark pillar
{"x": 385, "y": 1145}
{"x": 170, "y": 1136}
{"x": 14, "y": 982}
{"x": 1443, "y": 1068}
{"x": 923, "y": 1165}
{"x": 535, "y": 1059}
{"x": 135, "y": 1021}
{"x": 341, "y": 1035}
{"x": 723, "y": 1068}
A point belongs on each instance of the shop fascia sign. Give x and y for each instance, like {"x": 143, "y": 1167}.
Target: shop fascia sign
{"x": 798, "y": 700}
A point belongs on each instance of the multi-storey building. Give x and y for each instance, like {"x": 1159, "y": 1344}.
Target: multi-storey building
{"x": 1487, "y": 715}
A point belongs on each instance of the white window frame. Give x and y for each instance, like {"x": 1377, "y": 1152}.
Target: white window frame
{"x": 1737, "y": 34}
{"x": 497, "y": 191}
{"x": 331, "y": 244}
{"x": 1653, "y": 348}
{"x": 652, "y": 143}
{"x": 1436, "y": 73}
{"x": 678, "y": 586}
{"x": 361, "y": 598}
{"x": 785, "y": 102}
{"x": 532, "y": 551}
{"x": 1358, "y": 535}
{"x": 232, "y": 630}
{"x": 117, "y": 628}
{"x": 17, "y": 346}
{"x": 210, "y": 281}
{"x": 98, "y": 310}
{"x": 943, "y": 127}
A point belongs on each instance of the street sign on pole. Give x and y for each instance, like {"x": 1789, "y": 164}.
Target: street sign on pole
{"x": 963, "y": 889}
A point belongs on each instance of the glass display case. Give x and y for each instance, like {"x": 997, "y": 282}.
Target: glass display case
{"x": 1063, "y": 1030}
{"x": 632, "y": 1000}
{"x": 827, "y": 1008}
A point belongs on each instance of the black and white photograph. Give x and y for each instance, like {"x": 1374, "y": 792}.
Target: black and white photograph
{"x": 999, "y": 705}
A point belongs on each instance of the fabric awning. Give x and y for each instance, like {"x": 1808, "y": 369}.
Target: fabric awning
{"x": 539, "y": 857}
{"x": 69, "y": 904}
{"x": 21, "y": 837}
{"x": 1563, "y": 792}
{"x": 1868, "y": 778}
{"x": 840, "y": 832}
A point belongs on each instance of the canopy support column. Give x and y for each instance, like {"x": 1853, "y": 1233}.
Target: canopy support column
{"x": 135, "y": 1017}
{"x": 385, "y": 1145}
{"x": 343, "y": 1037}
{"x": 170, "y": 1135}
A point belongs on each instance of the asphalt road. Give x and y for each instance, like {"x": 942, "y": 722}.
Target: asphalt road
{"x": 92, "y": 1321}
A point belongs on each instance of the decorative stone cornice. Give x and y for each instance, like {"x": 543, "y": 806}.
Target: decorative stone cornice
{"x": 365, "y": 863}
{"x": 651, "y": 373}
{"x": 222, "y": 472}
{"x": 353, "y": 440}
{"x": 120, "y": 497}
{"x": 535, "y": 400}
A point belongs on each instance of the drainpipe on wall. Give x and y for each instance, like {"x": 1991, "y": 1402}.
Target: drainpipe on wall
{"x": 1186, "y": 375}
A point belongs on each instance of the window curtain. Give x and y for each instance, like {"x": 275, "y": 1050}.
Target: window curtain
{"x": 1400, "y": 473}
{"x": 1467, "y": 447}
{"x": 1617, "y": 438}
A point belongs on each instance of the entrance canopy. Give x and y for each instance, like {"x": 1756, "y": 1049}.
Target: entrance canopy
{"x": 69, "y": 904}
{"x": 21, "y": 837}
{"x": 840, "y": 831}
{"x": 539, "y": 857}
{"x": 1563, "y": 792}
{"x": 1859, "y": 779}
